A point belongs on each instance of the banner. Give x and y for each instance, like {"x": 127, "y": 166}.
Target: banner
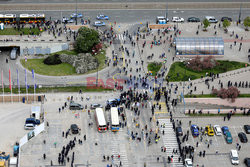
{"x": 18, "y": 84}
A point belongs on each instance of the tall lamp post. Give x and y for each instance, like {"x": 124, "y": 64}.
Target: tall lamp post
{"x": 184, "y": 87}
{"x": 240, "y": 14}
{"x": 97, "y": 74}
{"x": 76, "y": 12}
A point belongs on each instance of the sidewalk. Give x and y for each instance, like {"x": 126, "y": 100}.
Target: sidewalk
{"x": 239, "y": 102}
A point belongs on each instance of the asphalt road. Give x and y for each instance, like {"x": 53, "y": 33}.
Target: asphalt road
{"x": 113, "y": 1}
{"x": 136, "y": 16}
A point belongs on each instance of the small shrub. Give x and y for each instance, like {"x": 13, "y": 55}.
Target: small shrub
{"x": 52, "y": 60}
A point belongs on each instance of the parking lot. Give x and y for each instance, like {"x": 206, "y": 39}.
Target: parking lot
{"x": 12, "y": 119}
{"x": 219, "y": 144}
{"x": 132, "y": 152}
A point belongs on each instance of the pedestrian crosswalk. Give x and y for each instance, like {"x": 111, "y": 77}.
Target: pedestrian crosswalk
{"x": 162, "y": 109}
{"x": 119, "y": 152}
{"x": 170, "y": 142}
{"x": 124, "y": 37}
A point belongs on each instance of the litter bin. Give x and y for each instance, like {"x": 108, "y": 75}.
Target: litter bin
{"x": 23, "y": 99}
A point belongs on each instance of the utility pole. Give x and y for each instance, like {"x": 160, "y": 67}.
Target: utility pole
{"x": 240, "y": 14}
{"x": 167, "y": 11}
{"x": 76, "y": 12}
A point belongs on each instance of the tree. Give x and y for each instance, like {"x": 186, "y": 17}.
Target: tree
{"x": 247, "y": 22}
{"x": 231, "y": 93}
{"x": 226, "y": 23}
{"x": 206, "y": 23}
{"x": 86, "y": 40}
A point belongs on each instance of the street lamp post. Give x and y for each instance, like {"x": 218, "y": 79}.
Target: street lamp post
{"x": 240, "y": 14}
{"x": 97, "y": 75}
{"x": 76, "y": 12}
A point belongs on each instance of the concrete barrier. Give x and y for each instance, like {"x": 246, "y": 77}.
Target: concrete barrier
{"x": 159, "y": 26}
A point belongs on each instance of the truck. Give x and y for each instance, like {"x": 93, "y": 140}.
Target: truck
{"x": 161, "y": 20}
{"x": 35, "y": 112}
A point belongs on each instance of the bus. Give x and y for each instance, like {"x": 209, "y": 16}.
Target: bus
{"x": 8, "y": 18}
{"x": 100, "y": 120}
{"x": 32, "y": 18}
{"x": 114, "y": 119}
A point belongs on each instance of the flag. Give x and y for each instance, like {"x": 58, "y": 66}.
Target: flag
{"x": 33, "y": 76}
{"x": 26, "y": 85}
{"x": 18, "y": 84}
{"x": 2, "y": 79}
{"x": 9, "y": 79}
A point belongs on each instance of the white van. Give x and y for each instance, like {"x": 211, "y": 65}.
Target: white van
{"x": 234, "y": 157}
{"x": 211, "y": 19}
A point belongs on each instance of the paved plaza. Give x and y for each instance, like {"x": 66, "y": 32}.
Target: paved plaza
{"x": 147, "y": 137}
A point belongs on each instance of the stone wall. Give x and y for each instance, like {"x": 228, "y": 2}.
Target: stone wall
{"x": 82, "y": 62}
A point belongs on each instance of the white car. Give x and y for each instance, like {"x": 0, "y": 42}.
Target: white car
{"x": 178, "y": 19}
{"x": 188, "y": 163}
{"x": 234, "y": 157}
{"x": 217, "y": 130}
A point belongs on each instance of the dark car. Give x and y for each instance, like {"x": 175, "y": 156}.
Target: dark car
{"x": 243, "y": 137}
{"x": 194, "y": 130}
{"x": 32, "y": 121}
{"x": 247, "y": 129}
{"x": 193, "y": 19}
{"x": 75, "y": 106}
{"x": 179, "y": 131}
{"x": 94, "y": 106}
{"x": 247, "y": 162}
{"x": 74, "y": 129}
{"x": 226, "y": 18}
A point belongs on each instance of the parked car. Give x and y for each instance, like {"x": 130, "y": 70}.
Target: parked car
{"x": 74, "y": 129}
{"x": 217, "y": 130}
{"x": 226, "y": 18}
{"x": 94, "y": 106}
{"x": 194, "y": 130}
{"x": 188, "y": 163}
{"x": 234, "y": 157}
{"x": 113, "y": 102}
{"x": 247, "y": 162}
{"x": 177, "y": 19}
{"x": 247, "y": 129}
{"x": 193, "y": 19}
{"x": 228, "y": 137}
{"x": 224, "y": 129}
{"x": 99, "y": 24}
{"x": 74, "y": 15}
{"x": 211, "y": 19}
{"x": 67, "y": 20}
{"x": 179, "y": 131}
{"x": 209, "y": 130}
{"x": 243, "y": 137}
{"x": 75, "y": 106}
{"x": 102, "y": 17}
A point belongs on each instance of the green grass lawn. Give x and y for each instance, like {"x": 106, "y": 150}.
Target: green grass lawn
{"x": 60, "y": 69}
{"x": 179, "y": 67}
{"x": 154, "y": 68}
{"x": 51, "y": 70}
{"x": 68, "y": 52}
{"x": 25, "y": 31}
{"x": 55, "y": 89}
